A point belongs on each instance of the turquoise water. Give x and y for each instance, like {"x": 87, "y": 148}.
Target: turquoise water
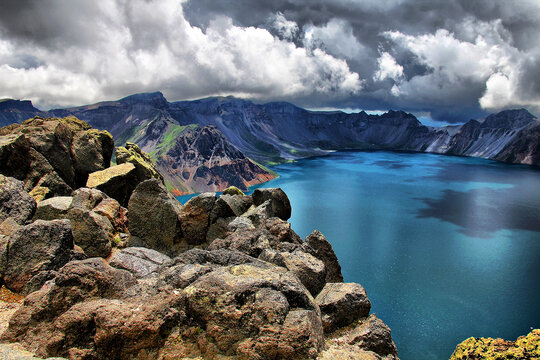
{"x": 446, "y": 247}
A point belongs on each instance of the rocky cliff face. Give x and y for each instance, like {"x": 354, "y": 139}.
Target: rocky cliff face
{"x": 14, "y": 111}
{"x": 202, "y": 159}
{"x": 218, "y": 277}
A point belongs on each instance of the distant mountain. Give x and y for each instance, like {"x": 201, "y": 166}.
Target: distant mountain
{"x": 12, "y": 111}
{"x": 280, "y": 131}
{"x": 202, "y": 158}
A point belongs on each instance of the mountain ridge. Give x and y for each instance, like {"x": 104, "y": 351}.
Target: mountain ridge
{"x": 277, "y": 132}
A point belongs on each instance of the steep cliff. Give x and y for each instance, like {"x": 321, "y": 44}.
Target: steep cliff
{"x": 202, "y": 159}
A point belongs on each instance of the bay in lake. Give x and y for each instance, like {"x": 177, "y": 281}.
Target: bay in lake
{"x": 446, "y": 247}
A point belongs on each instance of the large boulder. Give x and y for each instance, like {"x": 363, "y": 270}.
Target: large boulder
{"x": 144, "y": 167}
{"x": 310, "y": 270}
{"x": 96, "y": 220}
{"x": 53, "y": 208}
{"x": 252, "y": 312}
{"x": 39, "y": 246}
{"x": 154, "y": 217}
{"x": 14, "y": 201}
{"x": 53, "y": 156}
{"x": 317, "y": 245}
{"x": 280, "y": 205}
{"x": 341, "y": 304}
{"x": 195, "y": 218}
{"x": 141, "y": 262}
{"x": 373, "y": 335}
{"x": 117, "y": 181}
{"x": 91, "y": 151}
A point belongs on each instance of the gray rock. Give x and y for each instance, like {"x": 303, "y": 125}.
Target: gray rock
{"x": 181, "y": 275}
{"x": 196, "y": 217}
{"x": 53, "y": 208}
{"x": 17, "y": 352}
{"x": 87, "y": 199}
{"x": 310, "y": 271}
{"x": 15, "y": 202}
{"x": 39, "y": 246}
{"x": 256, "y": 313}
{"x": 280, "y": 204}
{"x": 117, "y": 181}
{"x": 141, "y": 262}
{"x": 154, "y": 217}
{"x": 341, "y": 304}
{"x": 373, "y": 335}
{"x": 91, "y": 231}
{"x": 317, "y": 245}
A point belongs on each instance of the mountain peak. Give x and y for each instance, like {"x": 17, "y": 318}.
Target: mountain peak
{"x": 509, "y": 119}
{"x": 155, "y": 98}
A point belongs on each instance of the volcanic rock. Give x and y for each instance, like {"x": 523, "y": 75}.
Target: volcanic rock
{"x": 141, "y": 262}
{"x": 53, "y": 208}
{"x": 39, "y": 246}
{"x": 14, "y": 201}
{"x": 144, "y": 167}
{"x": 117, "y": 181}
{"x": 317, "y": 245}
{"x": 154, "y": 217}
{"x": 341, "y": 304}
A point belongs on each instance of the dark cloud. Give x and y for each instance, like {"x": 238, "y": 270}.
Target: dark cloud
{"x": 453, "y": 59}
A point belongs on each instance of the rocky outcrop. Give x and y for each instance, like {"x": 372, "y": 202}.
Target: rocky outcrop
{"x": 525, "y": 347}
{"x": 220, "y": 277}
{"x": 144, "y": 167}
{"x": 341, "y": 304}
{"x": 116, "y": 181}
{"x": 53, "y": 156}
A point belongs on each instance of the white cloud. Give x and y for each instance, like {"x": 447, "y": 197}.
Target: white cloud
{"x": 336, "y": 37}
{"x": 287, "y": 29}
{"x": 388, "y": 68}
{"x": 149, "y": 45}
{"x": 486, "y": 58}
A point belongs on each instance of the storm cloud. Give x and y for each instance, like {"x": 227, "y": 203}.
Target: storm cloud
{"x": 452, "y": 60}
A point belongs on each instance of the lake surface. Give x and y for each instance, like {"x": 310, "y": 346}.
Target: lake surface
{"x": 446, "y": 247}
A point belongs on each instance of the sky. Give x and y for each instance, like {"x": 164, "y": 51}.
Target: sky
{"x": 449, "y": 60}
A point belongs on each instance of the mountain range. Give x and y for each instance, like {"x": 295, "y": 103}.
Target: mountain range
{"x": 211, "y": 143}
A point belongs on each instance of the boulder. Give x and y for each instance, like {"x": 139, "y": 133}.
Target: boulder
{"x": 17, "y": 352}
{"x": 53, "y": 208}
{"x": 91, "y": 231}
{"x": 144, "y": 167}
{"x": 117, "y": 214}
{"x": 317, "y": 245}
{"x": 154, "y": 217}
{"x": 231, "y": 205}
{"x": 310, "y": 271}
{"x": 87, "y": 199}
{"x": 91, "y": 151}
{"x": 250, "y": 312}
{"x": 195, "y": 218}
{"x": 341, "y": 304}
{"x": 141, "y": 262}
{"x": 280, "y": 205}
{"x": 54, "y": 154}
{"x": 181, "y": 275}
{"x": 39, "y": 246}
{"x": 15, "y": 202}
{"x": 373, "y": 335}
{"x": 117, "y": 182}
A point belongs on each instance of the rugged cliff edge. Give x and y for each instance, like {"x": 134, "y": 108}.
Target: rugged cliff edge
{"x": 119, "y": 269}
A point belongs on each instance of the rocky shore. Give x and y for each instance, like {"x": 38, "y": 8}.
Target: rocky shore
{"x": 112, "y": 266}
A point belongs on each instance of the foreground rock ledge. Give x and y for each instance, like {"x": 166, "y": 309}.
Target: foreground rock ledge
{"x": 218, "y": 278}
